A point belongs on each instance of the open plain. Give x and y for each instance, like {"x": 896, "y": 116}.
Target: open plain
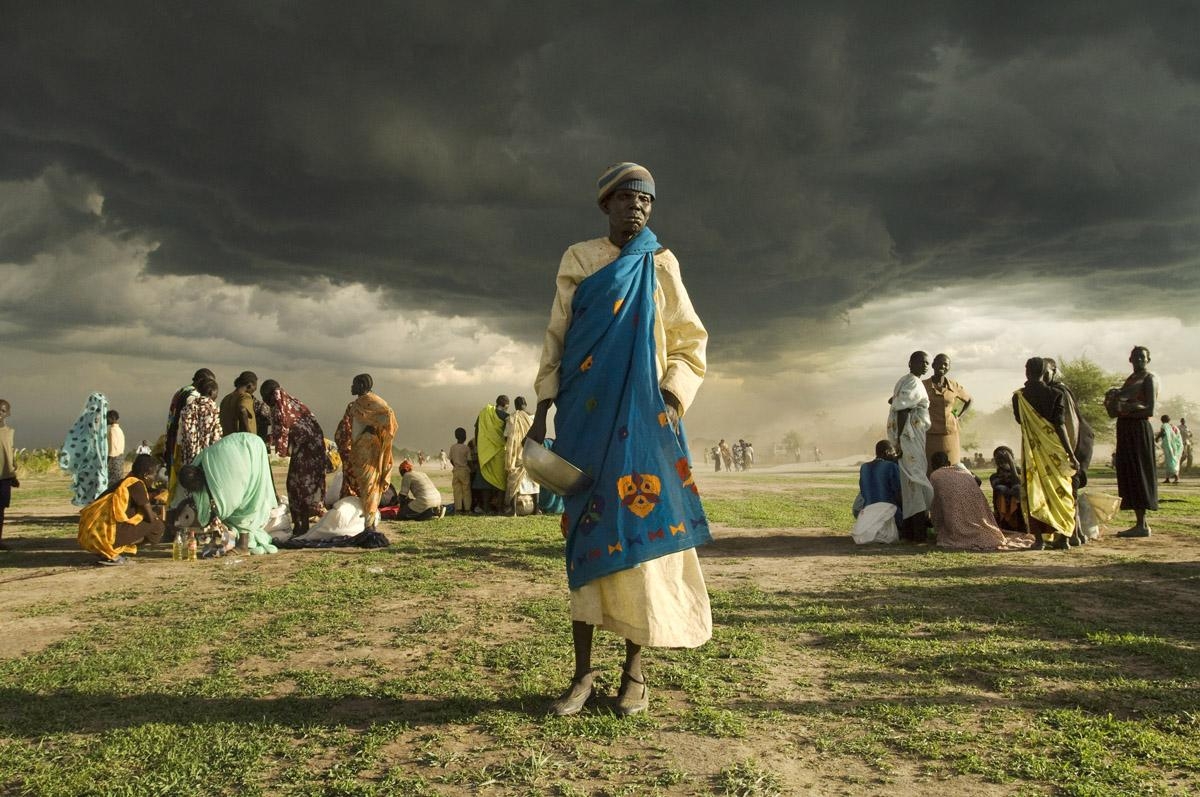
{"x": 425, "y": 668}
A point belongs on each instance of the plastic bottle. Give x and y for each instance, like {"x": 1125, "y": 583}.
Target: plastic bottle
{"x": 191, "y": 546}
{"x": 177, "y": 547}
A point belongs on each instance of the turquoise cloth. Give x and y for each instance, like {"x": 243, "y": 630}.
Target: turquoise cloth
{"x": 549, "y": 501}
{"x": 612, "y": 424}
{"x": 239, "y": 489}
{"x": 85, "y": 452}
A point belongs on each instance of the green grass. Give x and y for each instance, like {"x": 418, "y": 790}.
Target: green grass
{"x": 425, "y": 668}
{"x": 807, "y": 508}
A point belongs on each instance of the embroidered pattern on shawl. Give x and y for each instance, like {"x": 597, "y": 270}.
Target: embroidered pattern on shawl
{"x": 85, "y": 452}
{"x": 1046, "y": 471}
{"x": 612, "y": 423}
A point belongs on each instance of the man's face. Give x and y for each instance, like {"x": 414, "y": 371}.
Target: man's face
{"x": 628, "y": 211}
{"x": 941, "y": 366}
{"x": 4, "y": 410}
{"x": 919, "y": 364}
{"x": 1139, "y": 359}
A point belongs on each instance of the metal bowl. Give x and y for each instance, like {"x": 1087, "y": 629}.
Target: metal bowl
{"x": 552, "y": 471}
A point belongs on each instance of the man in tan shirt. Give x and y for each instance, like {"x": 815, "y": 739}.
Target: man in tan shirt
{"x": 237, "y": 409}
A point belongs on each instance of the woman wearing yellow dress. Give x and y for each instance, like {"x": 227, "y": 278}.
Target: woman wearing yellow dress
{"x": 122, "y": 517}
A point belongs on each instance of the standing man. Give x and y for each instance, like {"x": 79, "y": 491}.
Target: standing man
{"x": 907, "y": 427}
{"x": 237, "y": 409}
{"x": 1079, "y": 431}
{"x": 489, "y": 447}
{"x": 1186, "y": 433}
{"x": 623, "y": 358}
{"x": 116, "y": 448}
{"x": 8, "y": 466}
{"x": 1048, "y": 463}
{"x": 517, "y": 479}
{"x": 460, "y": 476}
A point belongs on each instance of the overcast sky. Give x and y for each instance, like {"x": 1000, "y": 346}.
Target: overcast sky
{"x": 311, "y": 190}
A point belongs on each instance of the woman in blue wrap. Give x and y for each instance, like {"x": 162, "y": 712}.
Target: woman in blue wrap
{"x": 622, "y": 361}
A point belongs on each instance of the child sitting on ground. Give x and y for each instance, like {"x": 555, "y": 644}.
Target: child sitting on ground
{"x": 1006, "y": 491}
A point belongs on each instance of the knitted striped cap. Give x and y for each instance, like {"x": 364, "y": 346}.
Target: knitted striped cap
{"x": 624, "y": 175}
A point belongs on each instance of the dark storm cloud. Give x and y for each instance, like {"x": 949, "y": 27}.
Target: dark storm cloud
{"x": 808, "y": 156}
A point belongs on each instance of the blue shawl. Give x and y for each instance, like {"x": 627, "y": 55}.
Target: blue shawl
{"x": 612, "y": 423}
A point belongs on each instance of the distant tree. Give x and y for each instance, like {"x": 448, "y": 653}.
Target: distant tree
{"x": 792, "y": 443}
{"x": 1178, "y": 407}
{"x": 1089, "y": 382}
{"x": 968, "y": 435}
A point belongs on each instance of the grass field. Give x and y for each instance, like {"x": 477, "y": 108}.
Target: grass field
{"x": 425, "y": 668}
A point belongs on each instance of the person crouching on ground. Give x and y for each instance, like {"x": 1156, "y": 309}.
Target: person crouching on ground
{"x": 231, "y": 480}
{"x": 961, "y": 517}
{"x": 123, "y": 517}
{"x": 419, "y": 498}
{"x": 879, "y": 489}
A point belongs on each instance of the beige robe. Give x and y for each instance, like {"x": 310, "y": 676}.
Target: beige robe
{"x": 663, "y": 602}
{"x": 515, "y": 428}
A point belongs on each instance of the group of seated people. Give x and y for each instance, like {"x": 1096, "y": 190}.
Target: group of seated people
{"x": 230, "y": 497}
{"x": 962, "y": 519}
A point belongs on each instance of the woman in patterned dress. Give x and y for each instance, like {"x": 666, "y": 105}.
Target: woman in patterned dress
{"x": 296, "y": 434}
{"x": 200, "y": 421}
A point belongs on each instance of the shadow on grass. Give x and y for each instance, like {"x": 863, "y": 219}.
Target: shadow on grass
{"x": 974, "y": 627}
{"x": 515, "y": 556}
{"x": 31, "y": 715}
{"x": 750, "y": 543}
{"x": 41, "y": 550}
